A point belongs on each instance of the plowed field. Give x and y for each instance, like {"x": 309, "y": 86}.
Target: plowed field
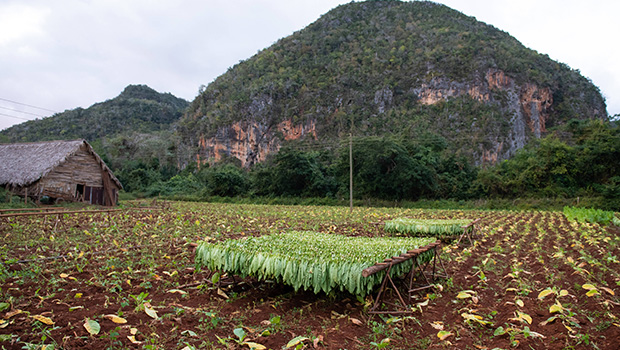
{"x": 126, "y": 280}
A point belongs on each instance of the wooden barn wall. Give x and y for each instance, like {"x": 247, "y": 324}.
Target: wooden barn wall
{"x": 80, "y": 168}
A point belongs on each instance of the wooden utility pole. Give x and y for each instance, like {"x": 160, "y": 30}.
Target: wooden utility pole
{"x": 351, "y": 167}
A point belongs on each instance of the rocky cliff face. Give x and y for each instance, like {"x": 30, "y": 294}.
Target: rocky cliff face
{"x": 251, "y": 141}
{"x": 528, "y": 105}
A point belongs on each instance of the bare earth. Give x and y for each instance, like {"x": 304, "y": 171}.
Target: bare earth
{"x": 85, "y": 267}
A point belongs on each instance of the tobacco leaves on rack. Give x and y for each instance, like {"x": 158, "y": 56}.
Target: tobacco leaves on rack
{"x": 315, "y": 261}
{"x": 436, "y": 228}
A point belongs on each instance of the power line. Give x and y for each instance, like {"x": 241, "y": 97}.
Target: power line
{"x": 18, "y": 111}
{"x": 27, "y": 105}
{"x": 12, "y": 116}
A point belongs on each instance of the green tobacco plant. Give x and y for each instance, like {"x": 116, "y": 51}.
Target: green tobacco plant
{"x": 594, "y": 216}
{"x": 240, "y": 335}
{"x": 140, "y": 300}
{"x": 427, "y": 227}
{"x": 314, "y": 261}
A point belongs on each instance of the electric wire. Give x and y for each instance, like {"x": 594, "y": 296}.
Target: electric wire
{"x": 27, "y": 105}
{"x": 18, "y": 111}
{"x": 12, "y": 116}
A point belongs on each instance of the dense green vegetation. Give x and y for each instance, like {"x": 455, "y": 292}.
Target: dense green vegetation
{"x": 137, "y": 110}
{"x": 594, "y": 216}
{"x": 397, "y": 170}
{"x": 549, "y": 167}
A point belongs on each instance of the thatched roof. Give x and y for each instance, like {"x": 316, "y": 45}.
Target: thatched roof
{"x": 21, "y": 164}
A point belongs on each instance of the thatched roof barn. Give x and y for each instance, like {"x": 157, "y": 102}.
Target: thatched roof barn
{"x": 66, "y": 170}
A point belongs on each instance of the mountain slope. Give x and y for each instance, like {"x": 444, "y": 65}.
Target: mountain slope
{"x": 408, "y": 68}
{"x": 137, "y": 109}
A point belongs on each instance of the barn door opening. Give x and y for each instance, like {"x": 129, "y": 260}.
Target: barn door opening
{"x": 93, "y": 195}
{"x": 79, "y": 192}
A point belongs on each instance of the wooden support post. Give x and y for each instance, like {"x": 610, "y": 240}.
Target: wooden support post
{"x": 351, "y": 167}
{"x": 381, "y": 294}
{"x": 417, "y": 274}
{"x": 469, "y": 232}
{"x": 57, "y": 221}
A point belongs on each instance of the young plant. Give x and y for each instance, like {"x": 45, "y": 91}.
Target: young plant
{"x": 140, "y": 300}
{"x": 241, "y": 335}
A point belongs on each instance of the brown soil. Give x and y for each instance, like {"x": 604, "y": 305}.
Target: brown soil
{"x": 514, "y": 258}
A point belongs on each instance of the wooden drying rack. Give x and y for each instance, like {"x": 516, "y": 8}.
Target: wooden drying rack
{"x": 417, "y": 279}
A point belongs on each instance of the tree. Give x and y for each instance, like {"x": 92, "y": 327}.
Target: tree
{"x": 384, "y": 168}
{"x": 226, "y": 180}
{"x": 292, "y": 172}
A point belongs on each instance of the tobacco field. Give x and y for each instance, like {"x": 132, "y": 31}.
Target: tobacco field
{"x": 128, "y": 280}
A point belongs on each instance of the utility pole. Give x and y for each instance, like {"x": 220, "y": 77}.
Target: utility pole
{"x": 351, "y": 167}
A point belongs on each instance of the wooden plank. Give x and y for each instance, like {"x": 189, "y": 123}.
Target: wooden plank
{"x": 397, "y": 260}
{"x": 31, "y": 209}
{"x": 59, "y": 213}
{"x": 73, "y": 212}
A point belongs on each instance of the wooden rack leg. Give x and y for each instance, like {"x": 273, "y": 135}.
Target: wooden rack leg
{"x": 382, "y": 290}
{"x": 421, "y": 270}
{"x": 418, "y": 272}
{"x": 58, "y": 219}
{"x": 469, "y": 233}
{"x": 443, "y": 268}
{"x": 465, "y": 235}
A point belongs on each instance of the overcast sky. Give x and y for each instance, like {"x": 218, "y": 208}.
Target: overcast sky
{"x": 63, "y": 54}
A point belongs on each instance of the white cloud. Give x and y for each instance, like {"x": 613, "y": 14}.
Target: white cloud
{"x": 19, "y": 22}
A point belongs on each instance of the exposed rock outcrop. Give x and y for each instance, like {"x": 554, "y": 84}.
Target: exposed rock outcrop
{"x": 528, "y": 104}
{"x": 252, "y": 141}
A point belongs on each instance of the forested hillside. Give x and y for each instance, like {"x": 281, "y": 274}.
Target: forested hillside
{"x": 411, "y": 69}
{"x": 138, "y": 109}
